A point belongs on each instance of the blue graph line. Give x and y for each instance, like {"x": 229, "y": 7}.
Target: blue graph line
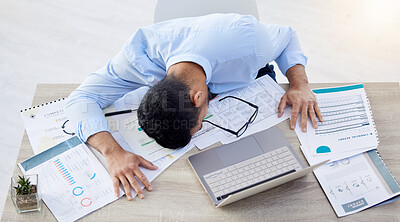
{"x": 77, "y": 194}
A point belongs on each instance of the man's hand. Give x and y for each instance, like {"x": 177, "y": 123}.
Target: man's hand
{"x": 123, "y": 166}
{"x": 301, "y": 98}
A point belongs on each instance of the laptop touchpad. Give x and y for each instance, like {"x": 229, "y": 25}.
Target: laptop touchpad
{"x": 239, "y": 151}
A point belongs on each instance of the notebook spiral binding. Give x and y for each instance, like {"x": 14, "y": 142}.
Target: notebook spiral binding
{"x": 43, "y": 104}
{"x": 377, "y": 152}
{"x": 372, "y": 119}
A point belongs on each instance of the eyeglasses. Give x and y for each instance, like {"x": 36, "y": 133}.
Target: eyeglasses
{"x": 245, "y": 126}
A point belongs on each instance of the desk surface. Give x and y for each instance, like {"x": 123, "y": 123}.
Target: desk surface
{"x": 178, "y": 196}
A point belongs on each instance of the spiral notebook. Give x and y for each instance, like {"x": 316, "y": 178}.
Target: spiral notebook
{"x": 357, "y": 183}
{"x": 356, "y": 178}
{"x": 46, "y": 125}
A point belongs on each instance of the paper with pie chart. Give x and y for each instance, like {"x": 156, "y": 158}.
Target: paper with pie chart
{"x": 72, "y": 182}
{"x": 348, "y": 123}
{"x": 46, "y": 125}
{"x": 356, "y": 177}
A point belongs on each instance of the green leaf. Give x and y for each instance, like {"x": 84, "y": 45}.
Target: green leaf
{"x": 24, "y": 186}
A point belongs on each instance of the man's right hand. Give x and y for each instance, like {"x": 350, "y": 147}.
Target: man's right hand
{"x": 123, "y": 166}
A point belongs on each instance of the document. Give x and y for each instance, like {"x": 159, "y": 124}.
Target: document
{"x": 347, "y": 121}
{"x": 72, "y": 182}
{"x": 356, "y": 183}
{"x": 355, "y": 178}
{"x": 46, "y": 125}
{"x": 232, "y": 114}
{"x": 348, "y": 128}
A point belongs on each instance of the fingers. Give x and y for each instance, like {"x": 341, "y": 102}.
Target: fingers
{"x": 124, "y": 169}
{"x": 147, "y": 164}
{"x": 311, "y": 111}
{"x": 303, "y": 119}
{"x": 143, "y": 179}
{"x": 128, "y": 179}
{"x": 312, "y": 116}
{"x": 135, "y": 185}
{"x": 282, "y": 105}
{"x": 126, "y": 187}
{"x": 115, "y": 181}
{"x": 318, "y": 112}
{"x": 295, "y": 114}
{"x": 303, "y": 101}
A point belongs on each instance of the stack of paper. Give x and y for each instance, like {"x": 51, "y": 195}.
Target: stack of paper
{"x": 72, "y": 181}
{"x": 356, "y": 177}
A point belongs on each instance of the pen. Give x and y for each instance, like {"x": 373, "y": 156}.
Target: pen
{"x": 119, "y": 112}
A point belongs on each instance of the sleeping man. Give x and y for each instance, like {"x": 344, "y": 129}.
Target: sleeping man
{"x": 183, "y": 60}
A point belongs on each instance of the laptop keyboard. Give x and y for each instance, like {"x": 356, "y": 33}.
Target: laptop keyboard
{"x": 251, "y": 172}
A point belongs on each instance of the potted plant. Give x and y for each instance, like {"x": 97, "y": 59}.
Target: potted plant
{"x": 24, "y": 193}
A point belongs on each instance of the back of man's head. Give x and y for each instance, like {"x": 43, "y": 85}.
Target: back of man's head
{"x": 167, "y": 113}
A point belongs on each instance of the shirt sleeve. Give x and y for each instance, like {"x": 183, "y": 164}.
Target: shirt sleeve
{"x": 84, "y": 105}
{"x": 285, "y": 46}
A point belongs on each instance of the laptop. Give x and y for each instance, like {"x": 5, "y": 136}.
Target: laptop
{"x": 256, "y": 163}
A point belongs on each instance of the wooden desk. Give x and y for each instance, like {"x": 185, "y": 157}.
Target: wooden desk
{"x": 178, "y": 196}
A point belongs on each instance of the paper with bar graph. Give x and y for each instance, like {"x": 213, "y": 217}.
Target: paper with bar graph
{"x": 72, "y": 182}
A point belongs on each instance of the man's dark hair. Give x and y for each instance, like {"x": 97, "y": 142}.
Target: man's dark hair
{"x": 167, "y": 113}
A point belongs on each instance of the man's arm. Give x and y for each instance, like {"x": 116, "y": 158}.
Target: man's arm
{"x": 287, "y": 53}
{"x": 84, "y": 110}
{"x": 301, "y": 98}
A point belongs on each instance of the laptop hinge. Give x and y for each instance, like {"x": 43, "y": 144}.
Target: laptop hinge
{"x": 253, "y": 185}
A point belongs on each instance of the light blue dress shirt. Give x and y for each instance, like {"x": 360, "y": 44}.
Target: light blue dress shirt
{"x": 231, "y": 48}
